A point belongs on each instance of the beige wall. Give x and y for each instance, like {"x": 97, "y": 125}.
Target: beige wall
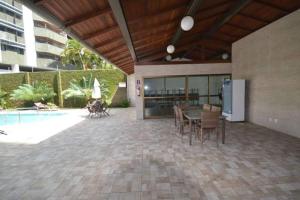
{"x": 269, "y": 60}
{"x": 131, "y": 89}
{"x": 142, "y": 71}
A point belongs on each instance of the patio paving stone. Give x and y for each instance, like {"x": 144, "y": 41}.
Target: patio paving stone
{"x": 119, "y": 157}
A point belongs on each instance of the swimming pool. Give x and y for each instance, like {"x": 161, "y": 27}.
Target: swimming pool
{"x": 27, "y": 117}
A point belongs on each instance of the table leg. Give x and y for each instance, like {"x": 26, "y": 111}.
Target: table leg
{"x": 191, "y": 129}
{"x": 223, "y": 131}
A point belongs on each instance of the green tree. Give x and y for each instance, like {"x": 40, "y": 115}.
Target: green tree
{"x": 81, "y": 57}
{"x": 29, "y": 94}
{"x": 83, "y": 89}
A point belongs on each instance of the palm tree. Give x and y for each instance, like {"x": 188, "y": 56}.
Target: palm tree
{"x": 83, "y": 89}
{"x": 79, "y": 56}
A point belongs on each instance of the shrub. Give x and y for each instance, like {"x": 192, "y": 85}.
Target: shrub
{"x": 29, "y": 94}
{"x": 125, "y": 103}
{"x": 3, "y": 102}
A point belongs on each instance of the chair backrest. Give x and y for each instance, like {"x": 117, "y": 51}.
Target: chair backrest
{"x": 206, "y": 107}
{"x": 176, "y": 111}
{"x": 180, "y": 114}
{"x": 215, "y": 109}
{"x": 209, "y": 119}
{"x": 184, "y": 106}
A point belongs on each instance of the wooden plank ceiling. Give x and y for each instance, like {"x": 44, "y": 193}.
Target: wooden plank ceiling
{"x": 153, "y": 24}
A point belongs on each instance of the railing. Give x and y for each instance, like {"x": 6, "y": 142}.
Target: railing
{"x": 8, "y": 5}
{"x": 44, "y": 32}
{"x": 48, "y": 48}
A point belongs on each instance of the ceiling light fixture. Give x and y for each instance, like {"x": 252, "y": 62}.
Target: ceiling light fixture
{"x": 225, "y": 56}
{"x": 168, "y": 57}
{"x": 187, "y": 23}
{"x": 170, "y": 48}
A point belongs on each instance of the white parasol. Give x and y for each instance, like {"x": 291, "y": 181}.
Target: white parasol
{"x": 96, "y": 94}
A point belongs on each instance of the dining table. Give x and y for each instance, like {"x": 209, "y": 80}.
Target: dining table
{"x": 194, "y": 116}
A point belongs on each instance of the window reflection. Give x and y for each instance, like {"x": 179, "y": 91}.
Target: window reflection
{"x": 161, "y": 94}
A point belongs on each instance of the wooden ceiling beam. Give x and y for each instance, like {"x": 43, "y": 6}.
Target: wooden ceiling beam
{"x": 228, "y": 34}
{"x": 174, "y": 21}
{"x": 273, "y": 6}
{"x": 120, "y": 18}
{"x": 126, "y": 64}
{"x": 163, "y": 27}
{"x": 121, "y": 59}
{"x": 157, "y": 13}
{"x": 107, "y": 42}
{"x": 254, "y": 18}
{"x": 120, "y": 56}
{"x": 150, "y": 56}
{"x": 238, "y": 27}
{"x": 146, "y": 44}
{"x": 123, "y": 62}
{"x": 150, "y": 26}
{"x": 219, "y": 23}
{"x": 99, "y": 32}
{"x": 127, "y": 67}
{"x": 117, "y": 51}
{"x": 151, "y": 37}
{"x": 204, "y": 48}
{"x": 114, "y": 49}
{"x": 87, "y": 16}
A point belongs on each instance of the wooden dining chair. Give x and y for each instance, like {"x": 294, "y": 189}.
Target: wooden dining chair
{"x": 215, "y": 109}
{"x": 182, "y": 122}
{"x": 206, "y": 107}
{"x": 176, "y": 116}
{"x": 209, "y": 123}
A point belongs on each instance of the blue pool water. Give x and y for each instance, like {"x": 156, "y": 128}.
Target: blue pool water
{"x": 17, "y": 118}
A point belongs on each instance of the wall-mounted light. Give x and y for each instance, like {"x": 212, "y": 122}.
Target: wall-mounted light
{"x": 170, "y": 48}
{"x": 187, "y": 23}
{"x": 225, "y": 56}
{"x": 168, "y": 57}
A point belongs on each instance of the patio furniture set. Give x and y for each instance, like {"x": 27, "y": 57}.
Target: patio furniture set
{"x": 200, "y": 121}
{"x": 97, "y": 108}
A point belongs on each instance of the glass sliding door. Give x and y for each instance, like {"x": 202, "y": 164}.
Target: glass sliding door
{"x": 198, "y": 90}
{"x": 161, "y": 94}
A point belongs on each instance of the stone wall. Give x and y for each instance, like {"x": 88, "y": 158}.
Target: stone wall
{"x": 269, "y": 59}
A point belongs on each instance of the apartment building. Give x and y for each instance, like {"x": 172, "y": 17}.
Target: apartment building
{"x": 28, "y": 40}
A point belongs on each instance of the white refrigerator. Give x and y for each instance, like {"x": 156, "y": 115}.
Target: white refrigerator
{"x": 233, "y": 92}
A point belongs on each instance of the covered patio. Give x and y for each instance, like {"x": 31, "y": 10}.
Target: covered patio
{"x": 130, "y": 159}
{"x": 126, "y": 157}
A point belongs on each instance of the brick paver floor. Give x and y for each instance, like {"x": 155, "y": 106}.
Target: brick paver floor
{"x": 119, "y": 157}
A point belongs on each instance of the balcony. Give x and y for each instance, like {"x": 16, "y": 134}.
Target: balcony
{"x": 7, "y": 4}
{"x": 12, "y": 57}
{"x": 44, "y": 32}
{"x": 47, "y": 48}
{"x": 10, "y": 24}
{"x": 11, "y": 37}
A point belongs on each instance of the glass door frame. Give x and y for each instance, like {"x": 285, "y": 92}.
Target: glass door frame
{"x": 186, "y": 89}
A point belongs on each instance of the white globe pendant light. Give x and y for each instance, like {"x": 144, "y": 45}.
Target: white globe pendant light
{"x": 168, "y": 57}
{"x": 187, "y": 23}
{"x": 170, "y": 48}
{"x": 225, "y": 56}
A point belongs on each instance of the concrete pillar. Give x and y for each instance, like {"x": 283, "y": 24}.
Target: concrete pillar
{"x": 15, "y": 68}
{"x": 29, "y": 36}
